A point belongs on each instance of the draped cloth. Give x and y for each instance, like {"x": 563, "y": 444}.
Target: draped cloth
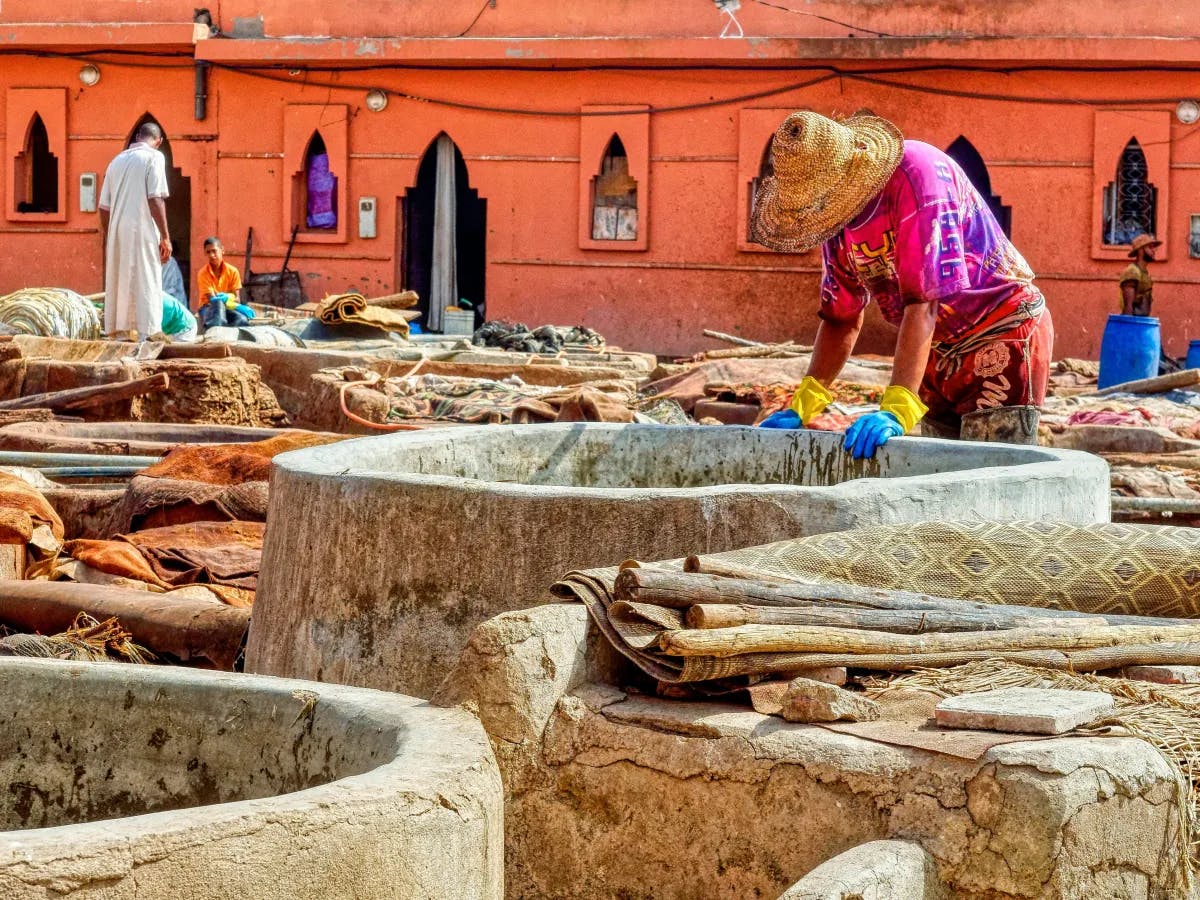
{"x": 443, "y": 288}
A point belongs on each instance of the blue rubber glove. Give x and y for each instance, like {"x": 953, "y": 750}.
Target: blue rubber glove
{"x": 868, "y": 433}
{"x": 785, "y": 418}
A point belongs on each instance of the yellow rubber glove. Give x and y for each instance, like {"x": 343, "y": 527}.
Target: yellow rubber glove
{"x": 810, "y": 399}
{"x": 904, "y": 405}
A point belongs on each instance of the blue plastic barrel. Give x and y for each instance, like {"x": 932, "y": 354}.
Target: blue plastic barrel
{"x": 1129, "y": 350}
{"x": 1193, "y": 357}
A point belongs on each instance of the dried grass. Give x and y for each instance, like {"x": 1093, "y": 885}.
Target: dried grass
{"x": 1165, "y": 716}
{"x": 86, "y": 640}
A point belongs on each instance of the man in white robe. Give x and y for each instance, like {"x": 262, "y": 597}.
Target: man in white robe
{"x": 133, "y": 226}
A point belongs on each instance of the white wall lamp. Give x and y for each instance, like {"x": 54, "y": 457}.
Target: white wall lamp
{"x": 377, "y": 100}
{"x": 1187, "y": 112}
{"x": 89, "y": 75}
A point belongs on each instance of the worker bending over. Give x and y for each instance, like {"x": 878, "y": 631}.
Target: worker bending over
{"x": 900, "y": 223}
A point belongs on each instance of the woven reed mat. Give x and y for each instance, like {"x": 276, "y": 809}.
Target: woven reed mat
{"x": 1113, "y": 568}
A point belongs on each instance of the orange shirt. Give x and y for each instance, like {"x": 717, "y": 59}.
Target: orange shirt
{"x": 227, "y": 281}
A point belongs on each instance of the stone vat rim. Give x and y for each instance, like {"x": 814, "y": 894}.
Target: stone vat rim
{"x": 319, "y": 462}
{"x": 419, "y": 770}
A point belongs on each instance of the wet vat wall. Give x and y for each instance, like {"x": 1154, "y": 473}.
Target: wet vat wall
{"x": 411, "y": 804}
{"x": 647, "y": 457}
{"x": 382, "y": 554}
{"x": 76, "y": 753}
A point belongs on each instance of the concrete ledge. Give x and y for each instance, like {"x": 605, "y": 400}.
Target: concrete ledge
{"x": 411, "y": 540}
{"x": 615, "y": 793}
{"x": 231, "y": 786}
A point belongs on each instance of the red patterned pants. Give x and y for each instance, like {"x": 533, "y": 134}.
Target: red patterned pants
{"x": 1010, "y": 369}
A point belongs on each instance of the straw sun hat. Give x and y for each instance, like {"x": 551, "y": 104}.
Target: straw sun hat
{"x": 825, "y": 174}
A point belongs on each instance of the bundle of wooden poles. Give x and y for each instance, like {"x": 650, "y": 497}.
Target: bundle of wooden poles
{"x": 756, "y": 626}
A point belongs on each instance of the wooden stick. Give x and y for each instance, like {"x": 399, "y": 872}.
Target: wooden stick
{"x": 732, "y": 339}
{"x": 807, "y": 639}
{"x": 704, "y": 668}
{"x": 682, "y": 590}
{"x": 696, "y": 565}
{"x": 896, "y": 621}
{"x": 768, "y": 350}
{"x": 95, "y": 395}
{"x": 1156, "y": 385}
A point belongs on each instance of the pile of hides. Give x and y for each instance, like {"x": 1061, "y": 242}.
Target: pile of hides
{"x": 484, "y": 401}
{"x": 26, "y": 516}
{"x": 391, "y": 313}
{"x": 1071, "y": 376}
{"x": 1150, "y": 440}
{"x": 210, "y": 482}
{"x": 223, "y": 558}
{"x": 1176, "y": 411}
{"x": 768, "y": 382}
{"x": 896, "y": 598}
{"x": 545, "y": 339}
{"x": 50, "y": 312}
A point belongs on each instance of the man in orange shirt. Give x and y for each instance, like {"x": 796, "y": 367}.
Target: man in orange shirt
{"x": 218, "y": 277}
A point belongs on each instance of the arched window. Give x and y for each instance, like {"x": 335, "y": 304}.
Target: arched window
{"x": 320, "y": 186}
{"x": 1130, "y": 200}
{"x": 36, "y": 181}
{"x": 971, "y": 162}
{"x": 614, "y": 197}
{"x": 766, "y": 168}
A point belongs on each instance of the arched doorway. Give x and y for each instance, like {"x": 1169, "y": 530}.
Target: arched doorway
{"x": 179, "y": 204}
{"x": 971, "y": 162}
{"x": 443, "y": 243}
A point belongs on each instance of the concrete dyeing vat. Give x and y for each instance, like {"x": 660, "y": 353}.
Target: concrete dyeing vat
{"x": 145, "y": 781}
{"x": 383, "y": 554}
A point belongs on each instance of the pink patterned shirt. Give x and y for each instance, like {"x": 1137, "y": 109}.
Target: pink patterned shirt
{"x": 927, "y": 238}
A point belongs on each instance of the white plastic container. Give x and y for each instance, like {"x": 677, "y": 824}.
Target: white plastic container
{"x": 458, "y": 321}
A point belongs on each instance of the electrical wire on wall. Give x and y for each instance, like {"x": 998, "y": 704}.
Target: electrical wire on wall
{"x": 291, "y": 73}
{"x": 813, "y": 15}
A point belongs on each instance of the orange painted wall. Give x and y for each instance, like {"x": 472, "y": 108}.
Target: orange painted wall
{"x": 692, "y": 275}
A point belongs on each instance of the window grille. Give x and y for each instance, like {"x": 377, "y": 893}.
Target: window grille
{"x": 1130, "y": 200}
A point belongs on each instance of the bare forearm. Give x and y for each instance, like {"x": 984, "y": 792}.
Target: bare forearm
{"x": 1128, "y": 298}
{"x": 913, "y": 344}
{"x": 832, "y": 347}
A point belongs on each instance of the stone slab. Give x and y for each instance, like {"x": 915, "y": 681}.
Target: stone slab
{"x": 1164, "y": 674}
{"x": 1024, "y": 710}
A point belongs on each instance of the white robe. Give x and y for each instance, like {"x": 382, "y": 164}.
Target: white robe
{"x": 132, "y": 271}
